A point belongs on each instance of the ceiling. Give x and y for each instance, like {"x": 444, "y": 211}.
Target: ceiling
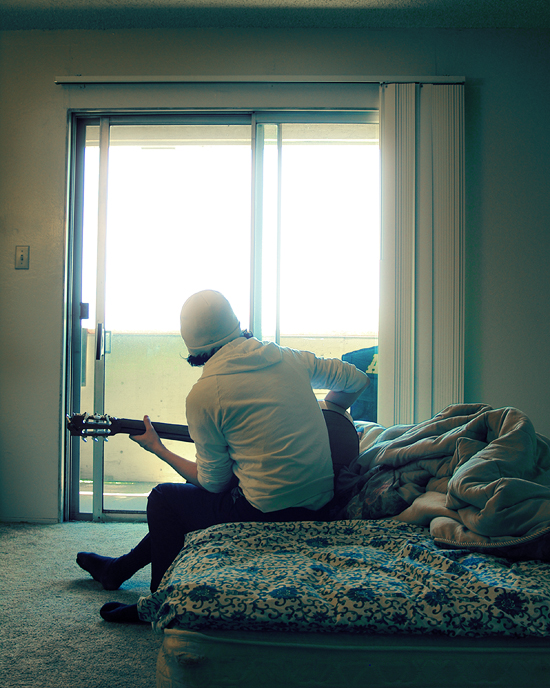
{"x": 129, "y": 14}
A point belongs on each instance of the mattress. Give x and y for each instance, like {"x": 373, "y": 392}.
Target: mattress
{"x": 384, "y": 577}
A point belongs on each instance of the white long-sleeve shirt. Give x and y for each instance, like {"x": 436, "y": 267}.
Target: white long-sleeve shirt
{"x": 253, "y": 414}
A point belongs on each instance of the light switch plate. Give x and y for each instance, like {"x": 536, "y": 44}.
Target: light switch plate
{"x": 22, "y": 257}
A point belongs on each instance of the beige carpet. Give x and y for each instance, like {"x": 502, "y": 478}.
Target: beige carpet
{"x": 51, "y": 633}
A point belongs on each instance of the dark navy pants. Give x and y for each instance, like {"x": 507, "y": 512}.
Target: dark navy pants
{"x": 175, "y": 509}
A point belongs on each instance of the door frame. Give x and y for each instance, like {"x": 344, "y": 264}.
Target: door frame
{"x": 76, "y": 309}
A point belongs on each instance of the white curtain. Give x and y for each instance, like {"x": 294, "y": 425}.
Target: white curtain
{"x": 421, "y": 339}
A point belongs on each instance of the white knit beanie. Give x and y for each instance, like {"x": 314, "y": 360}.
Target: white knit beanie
{"x": 207, "y": 322}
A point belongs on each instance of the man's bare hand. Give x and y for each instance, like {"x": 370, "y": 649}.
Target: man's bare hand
{"x": 149, "y": 441}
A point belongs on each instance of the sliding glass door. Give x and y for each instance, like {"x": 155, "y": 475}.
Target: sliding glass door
{"x": 278, "y": 211}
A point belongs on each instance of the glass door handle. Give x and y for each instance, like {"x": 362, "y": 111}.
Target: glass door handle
{"x": 99, "y": 342}
{"x": 84, "y": 311}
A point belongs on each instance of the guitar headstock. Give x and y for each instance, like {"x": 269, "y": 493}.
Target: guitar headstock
{"x": 85, "y": 425}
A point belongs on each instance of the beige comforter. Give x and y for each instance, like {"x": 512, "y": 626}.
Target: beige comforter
{"x": 475, "y": 475}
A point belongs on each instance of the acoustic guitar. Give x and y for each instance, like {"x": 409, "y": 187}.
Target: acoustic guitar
{"x": 344, "y": 441}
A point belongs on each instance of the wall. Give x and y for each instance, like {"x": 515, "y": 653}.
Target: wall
{"x": 508, "y": 242}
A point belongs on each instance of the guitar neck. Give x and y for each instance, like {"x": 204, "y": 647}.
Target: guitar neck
{"x": 344, "y": 442}
{"x": 166, "y": 431}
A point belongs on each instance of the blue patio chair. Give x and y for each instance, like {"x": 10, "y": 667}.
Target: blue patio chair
{"x": 366, "y": 407}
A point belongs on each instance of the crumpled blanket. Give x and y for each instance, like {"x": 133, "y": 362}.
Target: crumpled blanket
{"x": 472, "y": 473}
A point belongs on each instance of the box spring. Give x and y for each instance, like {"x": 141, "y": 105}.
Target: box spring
{"x": 227, "y": 659}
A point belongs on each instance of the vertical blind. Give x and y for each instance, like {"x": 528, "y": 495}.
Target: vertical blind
{"x": 421, "y": 338}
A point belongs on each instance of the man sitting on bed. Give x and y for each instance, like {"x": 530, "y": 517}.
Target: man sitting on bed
{"x": 262, "y": 447}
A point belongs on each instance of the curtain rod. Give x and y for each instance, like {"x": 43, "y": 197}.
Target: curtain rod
{"x": 79, "y": 79}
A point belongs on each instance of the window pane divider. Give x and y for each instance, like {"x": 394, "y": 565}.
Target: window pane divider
{"x": 256, "y": 210}
{"x": 279, "y": 208}
{"x": 99, "y": 375}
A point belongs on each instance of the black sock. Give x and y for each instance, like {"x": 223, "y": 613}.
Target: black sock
{"x": 120, "y": 613}
{"x": 102, "y": 569}
{"x": 111, "y": 572}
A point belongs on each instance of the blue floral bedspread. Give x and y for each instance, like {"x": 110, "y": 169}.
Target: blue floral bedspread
{"x": 378, "y": 576}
